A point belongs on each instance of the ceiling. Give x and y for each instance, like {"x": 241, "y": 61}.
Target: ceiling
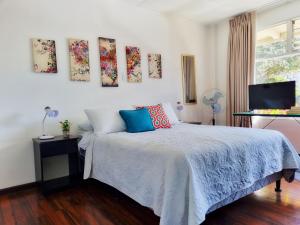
{"x": 207, "y": 11}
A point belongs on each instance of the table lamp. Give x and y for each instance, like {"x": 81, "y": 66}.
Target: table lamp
{"x": 48, "y": 113}
{"x": 179, "y": 109}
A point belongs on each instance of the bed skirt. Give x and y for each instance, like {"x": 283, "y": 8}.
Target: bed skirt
{"x": 288, "y": 175}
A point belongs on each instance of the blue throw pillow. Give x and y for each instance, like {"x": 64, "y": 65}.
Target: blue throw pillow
{"x": 138, "y": 120}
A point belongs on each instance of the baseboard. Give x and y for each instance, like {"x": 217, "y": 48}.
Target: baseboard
{"x": 34, "y": 184}
{"x": 17, "y": 188}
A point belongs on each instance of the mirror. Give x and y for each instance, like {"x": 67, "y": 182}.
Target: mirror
{"x": 189, "y": 79}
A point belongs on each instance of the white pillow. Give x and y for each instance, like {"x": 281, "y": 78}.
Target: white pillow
{"x": 105, "y": 120}
{"x": 170, "y": 113}
{"x": 85, "y": 126}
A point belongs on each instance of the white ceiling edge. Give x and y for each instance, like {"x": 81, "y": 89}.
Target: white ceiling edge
{"x": 273, "y": 5}
{"x": 264, "y": 8}
{"x": 207, "y": 12}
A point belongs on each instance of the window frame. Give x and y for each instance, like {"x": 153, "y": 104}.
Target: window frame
{"x": 290, "y": 51}
{"x": 293, "y": 35}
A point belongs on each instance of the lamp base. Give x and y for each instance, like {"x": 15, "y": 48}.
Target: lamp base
{"x": 46, "y": 137}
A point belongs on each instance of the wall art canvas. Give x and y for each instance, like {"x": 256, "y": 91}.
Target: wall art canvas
{"x": 108, "y": 62}
{"x": 134, "y": 71}
{"x": 44, "y": 56}
{"x": 154, "y": 66}
{"x": 79, "y": 60}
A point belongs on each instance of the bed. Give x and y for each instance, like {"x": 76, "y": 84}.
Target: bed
{"x": 185, "y": 172}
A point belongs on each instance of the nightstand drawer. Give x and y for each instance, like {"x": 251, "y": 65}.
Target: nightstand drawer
{"x": 58, "y": 148}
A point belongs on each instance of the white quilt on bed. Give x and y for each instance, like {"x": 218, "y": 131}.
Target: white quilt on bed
{"x": 181, "y": 172}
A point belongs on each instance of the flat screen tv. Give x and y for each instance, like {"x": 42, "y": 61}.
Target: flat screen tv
{"x": 280, "y": 95}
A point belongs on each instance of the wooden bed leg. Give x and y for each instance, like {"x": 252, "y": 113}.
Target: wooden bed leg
{"x": 278, "y": 184}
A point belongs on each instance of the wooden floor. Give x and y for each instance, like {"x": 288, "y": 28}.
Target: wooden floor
{"x": 95, "y": 203}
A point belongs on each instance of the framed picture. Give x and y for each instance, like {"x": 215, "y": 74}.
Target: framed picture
{"x": 44, "y": 56}
{"x": 108, "y": 62}
{"x": 154, "y": 66}
{"x": 133, "y": 58}
{"x": 79, "y": 60}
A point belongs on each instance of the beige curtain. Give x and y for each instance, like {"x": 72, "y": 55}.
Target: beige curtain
{"x": 241, "y": 55}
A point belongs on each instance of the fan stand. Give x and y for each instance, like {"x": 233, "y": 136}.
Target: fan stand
{"x": 213, "y": 120}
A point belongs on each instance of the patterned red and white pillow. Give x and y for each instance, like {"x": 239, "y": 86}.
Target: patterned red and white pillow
{"x": 158, "y": 116}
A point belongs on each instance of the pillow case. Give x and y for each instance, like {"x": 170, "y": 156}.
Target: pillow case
{"x": 137, "y": 120}
{"x": 168, "y": 109}
{"x": 158, "y": 116}
{"x": 85, "y": 126}
{"x": 105, "y": 120}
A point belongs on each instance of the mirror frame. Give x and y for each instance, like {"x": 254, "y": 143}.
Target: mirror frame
{"x": 183, "y": 81}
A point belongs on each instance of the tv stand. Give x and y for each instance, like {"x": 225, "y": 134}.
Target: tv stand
{"x": 274, "y": 116}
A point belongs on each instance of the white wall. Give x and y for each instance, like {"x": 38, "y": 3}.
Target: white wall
{"x": 220, "y": 35}
{"x": 219, "y": 43}
{"x": 24, "y": 94}
{"x": 279, "y": 14}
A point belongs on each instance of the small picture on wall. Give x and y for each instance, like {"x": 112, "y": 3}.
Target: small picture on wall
{"x": 154, "y": 66}
{"x": 79, "y": 60}
{"x": 108, "y": 62}
{"x": 134, "y": 71}
{"x": 44, "y": 56}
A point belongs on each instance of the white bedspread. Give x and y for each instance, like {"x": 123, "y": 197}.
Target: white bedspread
{"x": 181, "y": 172}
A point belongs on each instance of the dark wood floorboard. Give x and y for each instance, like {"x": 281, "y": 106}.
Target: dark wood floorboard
{"x": 94, "y": 203}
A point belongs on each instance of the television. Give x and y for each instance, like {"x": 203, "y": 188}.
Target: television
{"x": 280, "y": 95}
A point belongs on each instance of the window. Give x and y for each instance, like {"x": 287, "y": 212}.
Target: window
{"x": 278, "y": 54}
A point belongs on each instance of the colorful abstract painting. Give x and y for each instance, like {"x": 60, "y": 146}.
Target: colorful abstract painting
{"x": 79, "y": 60}
{"x": 134, "y": 71}
{"x": 108, "y": 62}
{"x": 154, "y": 66}
{"x": 44, "y": 56}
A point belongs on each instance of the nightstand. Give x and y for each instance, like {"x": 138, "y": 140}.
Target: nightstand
{"x": 196, "y": 123}
{"x": 54, "y": 147}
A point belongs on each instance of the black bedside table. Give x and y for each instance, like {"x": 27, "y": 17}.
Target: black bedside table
{"x": 53, "y": 147}
{"x": 196, "y": 123}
